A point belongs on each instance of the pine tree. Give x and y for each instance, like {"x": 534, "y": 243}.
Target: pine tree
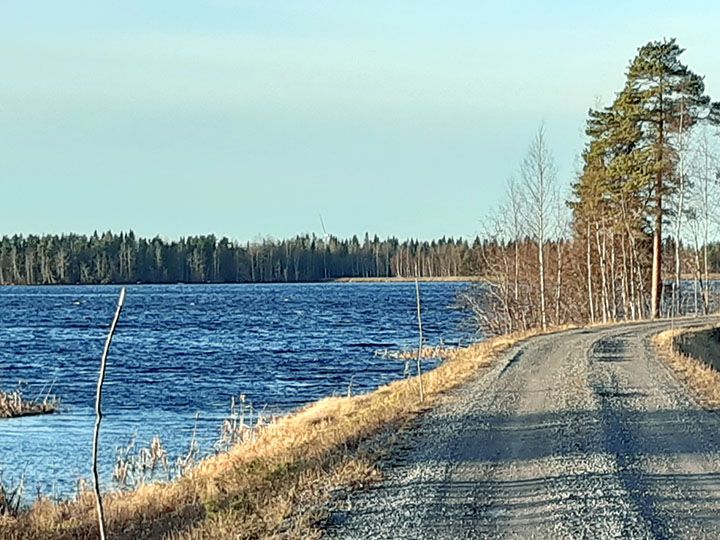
{"x": 663, "y": 93}
{"x": 630, "y": 168}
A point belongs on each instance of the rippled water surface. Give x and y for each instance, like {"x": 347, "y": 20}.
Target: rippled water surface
{"x": 184, "y": 349}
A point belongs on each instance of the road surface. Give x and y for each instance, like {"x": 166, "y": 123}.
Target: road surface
{"x": 583, "y": 434}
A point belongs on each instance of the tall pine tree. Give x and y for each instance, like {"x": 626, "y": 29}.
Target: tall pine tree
{"x": 630, "y": 162}
{"x": 666, "y": 95}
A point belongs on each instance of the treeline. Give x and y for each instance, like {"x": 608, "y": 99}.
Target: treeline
{"x": 635, "y": 223}
{"x": 125, "y": 258}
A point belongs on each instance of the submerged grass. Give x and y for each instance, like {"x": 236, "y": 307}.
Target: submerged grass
{"x": 275, "y": 485}
{"x": 699, "y": 377}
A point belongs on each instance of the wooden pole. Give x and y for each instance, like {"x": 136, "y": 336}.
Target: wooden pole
{"x": 98, "y": 415}
{"x": 419, "y": 317}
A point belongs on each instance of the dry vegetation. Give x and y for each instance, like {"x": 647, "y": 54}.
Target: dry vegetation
{"x": 276, "y": 485}
{"x": 13, "y": 404}
{"x": 436, "y": 352}
{"x": 700, "y": 378}
{"x": 409, "y": 279}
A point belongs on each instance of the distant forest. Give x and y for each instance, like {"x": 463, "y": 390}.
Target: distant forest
{"x": 125, "y": 258}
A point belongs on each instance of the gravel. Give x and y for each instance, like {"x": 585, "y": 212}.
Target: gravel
{"x": 583, "y": 434}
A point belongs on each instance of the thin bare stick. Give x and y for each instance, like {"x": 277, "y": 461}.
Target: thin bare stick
{"x": 419, "y": 316}
{"x": 98, "y": 415}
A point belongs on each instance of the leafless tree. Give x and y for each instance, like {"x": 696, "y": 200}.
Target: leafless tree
{"x": 538, "y": 175}
{"x": 682, "y": 150}
{"x": 703, "y": 169}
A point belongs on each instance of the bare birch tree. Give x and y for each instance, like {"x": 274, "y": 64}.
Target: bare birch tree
{"x": 704, "y": 197}
{"x": 538, "y": 175}
{"x": 679, "y": 211}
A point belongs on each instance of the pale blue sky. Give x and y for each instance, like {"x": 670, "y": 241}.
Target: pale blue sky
{"x": 248, "y": 118}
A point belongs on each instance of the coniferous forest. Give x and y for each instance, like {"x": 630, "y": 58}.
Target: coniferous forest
{"x": 125, "y": 258}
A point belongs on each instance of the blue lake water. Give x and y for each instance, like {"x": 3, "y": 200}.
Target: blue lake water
{"x": 186, "y": 349}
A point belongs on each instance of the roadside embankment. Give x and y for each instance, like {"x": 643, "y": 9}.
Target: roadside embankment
{"x": 702, "y": 345}
{"x": 694, "y": 355}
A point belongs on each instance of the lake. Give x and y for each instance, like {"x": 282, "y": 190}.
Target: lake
{"x": 181, "y": 350}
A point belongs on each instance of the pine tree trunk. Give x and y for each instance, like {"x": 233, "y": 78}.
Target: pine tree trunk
{"x": 656, "y": 291}
{"x": 656, "y": 286}
{"x": 588, "y": 263}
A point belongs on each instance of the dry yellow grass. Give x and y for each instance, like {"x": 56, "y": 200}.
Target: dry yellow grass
{"x": 702, "y": 380}
{"x": 13, "y": 404}
{"x": 276, "y": 486}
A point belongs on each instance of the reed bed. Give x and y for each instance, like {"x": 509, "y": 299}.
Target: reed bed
{"x": 138, "y": 465}
{"x": 276, "y": 483}
{"x": 14, "y": 404}
{"x": 435, "y": 352}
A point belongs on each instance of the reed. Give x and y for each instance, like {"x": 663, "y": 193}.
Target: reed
{"x": 137, "y": 466}
{"x": 13, "y": 404}
{"x": 241, "y": 425}
{"x": 186, "y": 462}
{"x": 433, "y": 352}
{"x": 11, "y": 497}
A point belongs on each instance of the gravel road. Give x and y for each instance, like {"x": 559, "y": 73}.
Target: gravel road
{"x": 583, "y": 434}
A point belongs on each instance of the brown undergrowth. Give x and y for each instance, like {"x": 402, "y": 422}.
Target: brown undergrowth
{"x": 275, "y": 486}
{"x": 702, "y": 380}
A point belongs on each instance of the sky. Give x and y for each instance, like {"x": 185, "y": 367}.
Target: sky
{"x": 250, "y": 119}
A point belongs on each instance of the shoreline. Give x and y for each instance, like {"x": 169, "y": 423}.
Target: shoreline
{"x": 281, "y": 481}
{"x": 34, "y": 412}
{"x": 277, "y": 481}
{"x": 403, "y": 279}
{"x": 394, "y": 279}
